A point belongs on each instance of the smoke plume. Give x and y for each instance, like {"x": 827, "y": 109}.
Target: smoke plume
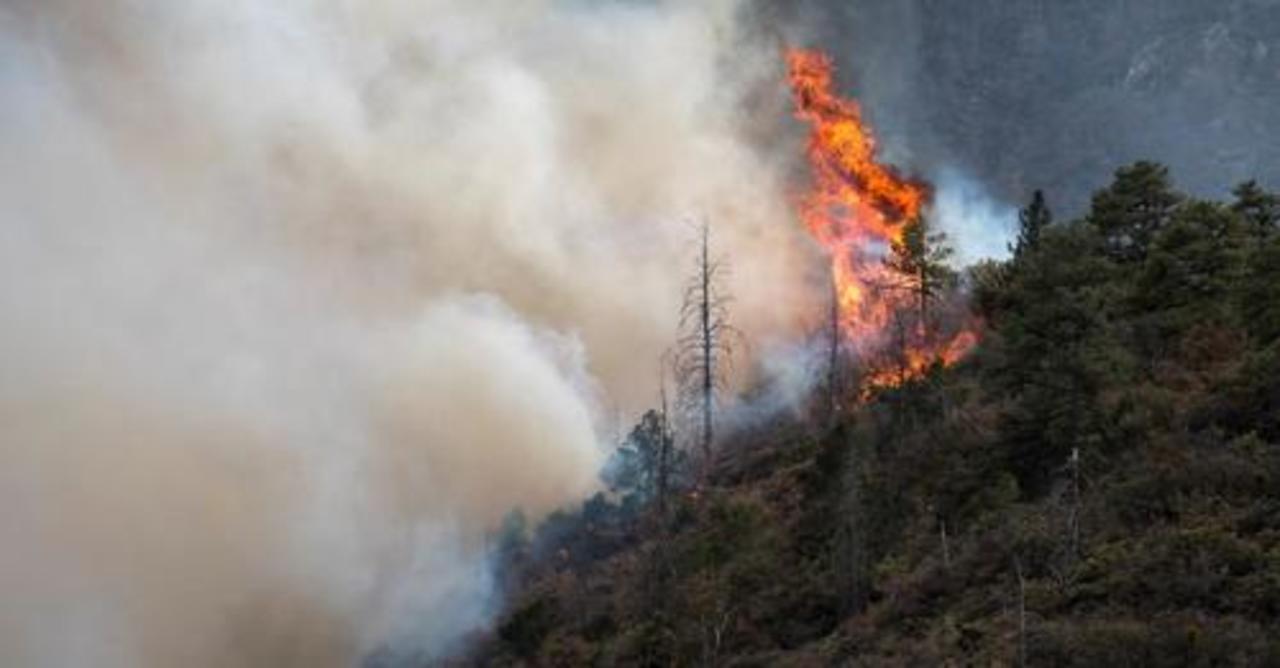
{"x": 301, "y": 297}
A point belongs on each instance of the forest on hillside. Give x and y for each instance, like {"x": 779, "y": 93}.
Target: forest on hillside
{"x": 1097, "y": 483}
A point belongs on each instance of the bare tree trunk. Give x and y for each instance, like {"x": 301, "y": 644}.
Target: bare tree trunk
{"x": 833, "y": 362}
{"x": 704, "y": 345}
{"x": 851, "y": 558}
{"x": 713, "y": 631}
{"x": 904, "y": 365}
{"x": 1022, "y": 613}
{"x": 925, "y": 333}
{"x": 946, "y": 547}
{"x": 1075, "y": 503}
{"x": 664, "y": 455}
{"x": 708, "y": 371}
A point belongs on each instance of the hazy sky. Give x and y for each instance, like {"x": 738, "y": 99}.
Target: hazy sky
{"x": 1028, "y": 94}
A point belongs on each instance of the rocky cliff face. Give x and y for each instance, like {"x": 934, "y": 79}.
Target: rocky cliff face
{"x": 1044, "y": 93}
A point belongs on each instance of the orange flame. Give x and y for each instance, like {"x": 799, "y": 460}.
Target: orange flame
{"x": 856, "y": 209}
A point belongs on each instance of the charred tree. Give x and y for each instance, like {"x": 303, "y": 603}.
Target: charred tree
{"x": 664, "y": 454}
{"x": 1022, "y": 611}
{"x": 833, "y": 357}
{"x": 852, "y": 552}
{"x": 705, "y": 345}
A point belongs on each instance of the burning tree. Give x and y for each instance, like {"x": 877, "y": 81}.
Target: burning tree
{"x": 919, "y": 262}
{"x": 918, "y": 265}
{"x": 868, "y": 217}
{"x": 705, "y": 344}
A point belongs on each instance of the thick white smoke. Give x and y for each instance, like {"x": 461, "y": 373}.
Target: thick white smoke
{"x": 977, "y": 226}
{"x": 300, "y": 297}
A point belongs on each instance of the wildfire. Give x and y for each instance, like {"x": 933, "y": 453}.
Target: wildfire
{"x": 857, "y": 209}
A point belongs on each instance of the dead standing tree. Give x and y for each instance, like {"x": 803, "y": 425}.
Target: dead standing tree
{"x": 670, "y": 462}
{"x": 834, "y": 337}
{"x": 705, "y": 345}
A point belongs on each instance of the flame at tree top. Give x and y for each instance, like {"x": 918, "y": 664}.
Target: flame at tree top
{"x": 857, "y": 209}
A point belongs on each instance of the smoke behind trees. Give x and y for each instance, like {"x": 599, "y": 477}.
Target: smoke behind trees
{"x": 300, "y": 298}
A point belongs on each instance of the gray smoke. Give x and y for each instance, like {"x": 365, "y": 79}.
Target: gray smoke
{"x": 1055, "y": 95}
{"x": 300, "y": 298}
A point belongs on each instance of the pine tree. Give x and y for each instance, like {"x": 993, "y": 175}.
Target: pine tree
{"x": 1258, "y": 207}
{"x": 1031, "y": 223}
{"x": 641, "y": 466}
{"x": 1259, "y": 295}
{"x": 919, "y": 261}
{"x": 1133, "y": 209}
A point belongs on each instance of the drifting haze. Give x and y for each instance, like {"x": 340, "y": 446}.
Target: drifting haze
{"x": 301, "y": 297}
{"x": 1026, "y": 94}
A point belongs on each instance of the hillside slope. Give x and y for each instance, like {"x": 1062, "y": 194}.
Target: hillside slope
{"x": 1098, "y": 484}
